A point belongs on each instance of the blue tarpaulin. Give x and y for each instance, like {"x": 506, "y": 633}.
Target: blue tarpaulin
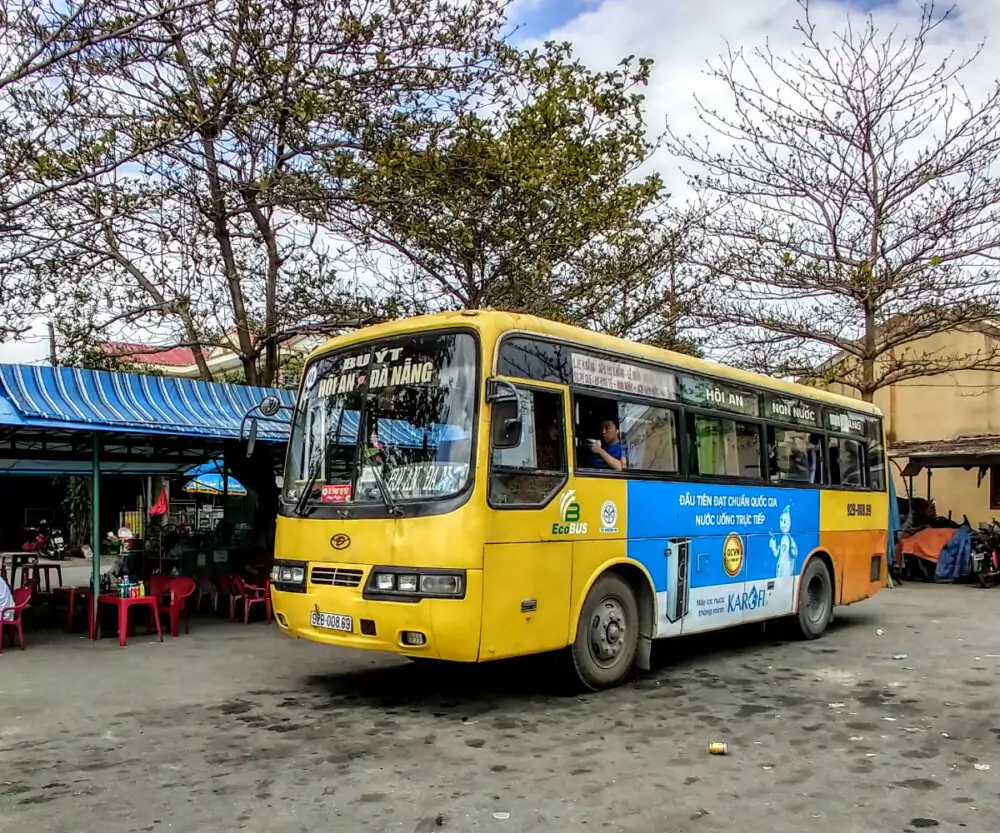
{"x": 894, "y": 524}
{"x": 955, "y": 560}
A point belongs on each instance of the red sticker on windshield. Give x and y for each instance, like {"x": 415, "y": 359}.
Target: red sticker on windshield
{"x": 337, "y": 493}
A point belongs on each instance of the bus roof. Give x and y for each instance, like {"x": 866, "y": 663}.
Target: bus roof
{"x": 495, "y": 323}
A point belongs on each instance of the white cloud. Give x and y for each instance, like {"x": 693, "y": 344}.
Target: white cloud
{"x": 682, "y": 36}
{"x": 32, "y": 348}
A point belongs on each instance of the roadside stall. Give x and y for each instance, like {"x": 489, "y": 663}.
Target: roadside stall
{"x": 68, "y": 422}
{"x": 943, "y": 549}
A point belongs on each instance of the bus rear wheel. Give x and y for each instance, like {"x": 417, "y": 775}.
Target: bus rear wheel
{"x": 607, "y": 634}
{"x": 815, "y": 599}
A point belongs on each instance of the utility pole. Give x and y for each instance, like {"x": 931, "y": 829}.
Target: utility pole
{"x": 53, "y": 358}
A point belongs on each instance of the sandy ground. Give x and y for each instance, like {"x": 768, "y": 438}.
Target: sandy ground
{"x": 239, "y": 728}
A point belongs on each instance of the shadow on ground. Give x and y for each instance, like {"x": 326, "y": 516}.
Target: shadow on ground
{"x": 436, "y": 685}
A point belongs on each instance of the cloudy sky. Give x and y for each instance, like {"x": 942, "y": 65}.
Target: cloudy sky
{"x": 680, "y": 35}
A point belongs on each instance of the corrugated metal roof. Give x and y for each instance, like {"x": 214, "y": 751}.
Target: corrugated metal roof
{"x": 959, "y": 446}
{"x": 973, "y": 452}
{"x": 145, "y": 354}
{"x": 69, "y": 398}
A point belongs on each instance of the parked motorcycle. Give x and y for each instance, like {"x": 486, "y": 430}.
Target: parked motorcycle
{"x": 56, "y": 545}
{"x": 45, "y": 541}
{"x": 985, "y": 555}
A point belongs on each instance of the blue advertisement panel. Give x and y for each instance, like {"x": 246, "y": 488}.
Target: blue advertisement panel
{"x": 720, "y": 555}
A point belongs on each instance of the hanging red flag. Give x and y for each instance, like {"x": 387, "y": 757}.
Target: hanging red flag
{"x": 160, "y": 507}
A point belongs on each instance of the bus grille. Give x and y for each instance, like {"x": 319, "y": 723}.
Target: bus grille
{"x": 336, "y": 576}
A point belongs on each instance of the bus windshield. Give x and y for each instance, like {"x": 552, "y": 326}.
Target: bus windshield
{"x": 383, "y": 422}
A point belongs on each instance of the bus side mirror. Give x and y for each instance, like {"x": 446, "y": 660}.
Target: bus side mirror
{"x": 252, "y": 439}
{"x": 506, "y": 425}
{"x": 270, "y": 405}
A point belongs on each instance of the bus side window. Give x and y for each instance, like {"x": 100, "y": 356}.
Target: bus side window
{"x": 793, "y": 455}
{"x": 649, "y": 438}
{"x": 530, "y": 473}
{"x": 847, "y": 463}
{"x": 723, "y": 447}
{"x": 876, "y": 456}
{"x": 598, "y": 426}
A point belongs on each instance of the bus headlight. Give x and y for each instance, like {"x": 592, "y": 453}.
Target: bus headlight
{"x": 289, "y": 575}
{"x": 406, "y": 583}
{"x": 414, "y": 584}
{"x": 441, "y": 585}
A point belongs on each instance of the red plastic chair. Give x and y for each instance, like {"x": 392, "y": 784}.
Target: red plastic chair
{"x": 250, "y": 594}
{"x": 30, "y": 578}
{"x": 180, "y": 589}
{"x": 227, "y": 587}
{"x": 159, "y": 586}
{"x": 21, "y": 598}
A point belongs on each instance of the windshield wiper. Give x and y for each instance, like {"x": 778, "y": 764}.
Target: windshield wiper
{"x": 300, "y": 504}
{"x": 383, "y": 488}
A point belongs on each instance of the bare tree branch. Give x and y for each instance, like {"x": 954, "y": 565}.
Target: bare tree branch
{"x": 853, "y": 210}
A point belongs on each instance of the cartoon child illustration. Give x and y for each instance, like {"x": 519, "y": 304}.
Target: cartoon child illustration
{"x": 784, "y": 547}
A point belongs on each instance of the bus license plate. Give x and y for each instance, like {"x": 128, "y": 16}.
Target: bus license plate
{"x": 331, "y": 621}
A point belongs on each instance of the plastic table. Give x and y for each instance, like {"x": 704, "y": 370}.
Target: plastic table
{"x": 123, "y": 605}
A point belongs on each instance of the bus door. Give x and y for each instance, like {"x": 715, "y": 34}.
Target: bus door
{"x": 526, "y": 578}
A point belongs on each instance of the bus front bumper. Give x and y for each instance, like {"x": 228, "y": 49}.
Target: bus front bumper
{"x": 450, "y": 627}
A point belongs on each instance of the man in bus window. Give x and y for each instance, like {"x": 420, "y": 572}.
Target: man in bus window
{"x": 608, "y": 454}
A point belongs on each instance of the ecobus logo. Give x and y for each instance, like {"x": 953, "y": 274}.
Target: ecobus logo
{"x": 569, "y": 511}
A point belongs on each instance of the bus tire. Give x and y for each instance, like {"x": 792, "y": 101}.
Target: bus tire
{"x": 815, "y": 599}
{"x": 607, "y": 634}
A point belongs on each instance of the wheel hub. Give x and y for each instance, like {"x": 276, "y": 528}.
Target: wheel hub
{"x": 607, "y": 632}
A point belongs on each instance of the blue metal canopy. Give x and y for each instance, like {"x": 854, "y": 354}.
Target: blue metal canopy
{"x": 69, "y": 398}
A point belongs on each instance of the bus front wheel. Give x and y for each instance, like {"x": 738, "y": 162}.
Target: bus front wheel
{"x": 607, "y": 633}
{"x": 815, "y": 599}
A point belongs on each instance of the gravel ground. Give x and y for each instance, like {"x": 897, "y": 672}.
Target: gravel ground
{"x": 240, "y": 728}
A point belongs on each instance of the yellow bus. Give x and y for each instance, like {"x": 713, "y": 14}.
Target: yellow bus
{"x": 479, "y": 485}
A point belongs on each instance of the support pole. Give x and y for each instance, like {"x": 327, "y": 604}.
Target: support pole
{"x": 95, "y": 474}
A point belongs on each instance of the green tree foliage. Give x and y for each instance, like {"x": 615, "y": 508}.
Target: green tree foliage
{"x": 851, "y": 204}
{"x": 76, "y": 506}
{"x": 305, "y": 169}
{"x": 639, "y": 283}
{"x": 212, "y": 236}
{"x": 508, "y": 202}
